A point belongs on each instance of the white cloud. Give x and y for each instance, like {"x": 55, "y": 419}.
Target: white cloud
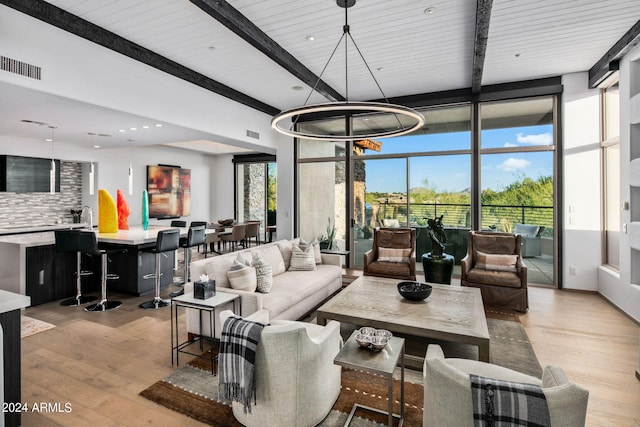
{"x": 510, "y": 144}
{"x": 540, "y": 139}
{"x": 512, "y": 164}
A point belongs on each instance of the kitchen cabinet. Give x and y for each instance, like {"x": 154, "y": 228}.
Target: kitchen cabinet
{"x": 50, "y": 275}
{"x": 26, "y": 174}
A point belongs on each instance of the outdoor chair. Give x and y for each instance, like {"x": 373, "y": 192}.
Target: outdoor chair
{"x": 448, "y": 393}
{"x": 494, "y": 265}
{"x": 392, "y": 254}
{"x": 531, "y": 239}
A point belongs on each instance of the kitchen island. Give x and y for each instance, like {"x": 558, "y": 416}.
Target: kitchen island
{"x": 31, "y": 266}
{"x": 11, "y": 305}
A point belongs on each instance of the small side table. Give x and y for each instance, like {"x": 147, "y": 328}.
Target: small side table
{"x": 381, "y": 363}
{"x": 438, "y": 270}
{"x": 208, "y": 305}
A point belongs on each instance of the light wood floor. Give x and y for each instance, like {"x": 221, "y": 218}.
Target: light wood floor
{"x": 99, "y": 362}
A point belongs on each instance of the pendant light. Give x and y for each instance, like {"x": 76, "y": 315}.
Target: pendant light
{"x": 52, "y": 169}
{"x": 130, "y": 169}
{"x": 91, "y": 170}
{"x": 348, "y": 107}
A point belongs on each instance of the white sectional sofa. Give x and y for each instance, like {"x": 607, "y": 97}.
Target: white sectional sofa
{"x": 293, "y": 294}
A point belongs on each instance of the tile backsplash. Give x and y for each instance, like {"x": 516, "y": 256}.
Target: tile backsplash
{"x": 35, "y": 209}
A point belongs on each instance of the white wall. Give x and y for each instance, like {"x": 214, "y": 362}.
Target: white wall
{"x": 581, "y": 183}
{"x": 617, "y": 287}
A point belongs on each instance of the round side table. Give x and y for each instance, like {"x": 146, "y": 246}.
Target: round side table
{"x": 437, "y": 270}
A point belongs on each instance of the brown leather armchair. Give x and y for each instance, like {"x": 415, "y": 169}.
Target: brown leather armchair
{"x": 392, "y": 254}
{"x": 494, "y": 265}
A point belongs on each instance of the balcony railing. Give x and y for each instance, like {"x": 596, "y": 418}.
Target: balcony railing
{"x": 498, "y": 217}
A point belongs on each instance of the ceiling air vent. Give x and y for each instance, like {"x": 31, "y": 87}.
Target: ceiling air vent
{"x": 21, "y": 68}
{"x": 252, "y": 134}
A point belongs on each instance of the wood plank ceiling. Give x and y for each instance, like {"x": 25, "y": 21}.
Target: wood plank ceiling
{"x": 412, "y": 46}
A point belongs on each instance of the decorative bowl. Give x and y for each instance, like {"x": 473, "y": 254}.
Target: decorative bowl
{"x": 379, "y": 342}
{"x": 383, "y": 333}
{"x": 414, "y": 291}
{"x": 363, "y": 340}
{"x": 226, "y": 222}
{"x": 366, "y": 330}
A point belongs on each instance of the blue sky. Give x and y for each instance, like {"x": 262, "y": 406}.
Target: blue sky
{"x": 452, "y": 173}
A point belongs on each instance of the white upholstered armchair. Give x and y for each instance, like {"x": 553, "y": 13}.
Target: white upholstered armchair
{"x": 447, "y": 391}
{"x": 296, "y": 380}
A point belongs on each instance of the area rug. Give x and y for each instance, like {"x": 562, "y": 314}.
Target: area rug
{"x": 30, "y": 326}
{"x": 193, "y": 391}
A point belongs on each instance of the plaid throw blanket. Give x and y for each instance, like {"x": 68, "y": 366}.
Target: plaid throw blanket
{"x": 236, "y": 360}
{"x": 503, "y": 403}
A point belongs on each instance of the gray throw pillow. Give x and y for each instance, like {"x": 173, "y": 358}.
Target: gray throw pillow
{"x": 263, "y": 273}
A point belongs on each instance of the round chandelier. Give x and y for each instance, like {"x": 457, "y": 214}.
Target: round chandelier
{"x": 416, "y": 119}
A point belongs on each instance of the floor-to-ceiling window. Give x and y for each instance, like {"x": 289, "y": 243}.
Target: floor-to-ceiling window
{"x": 256, "y": 187}
{"x": 610, "y": 109}
{"x": 440, "y": 171}
{"x": 517, "y": 143}
{"x": 322, "y": 189}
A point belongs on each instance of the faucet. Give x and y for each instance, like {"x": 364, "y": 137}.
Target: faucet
{"x": 87, "y": 217}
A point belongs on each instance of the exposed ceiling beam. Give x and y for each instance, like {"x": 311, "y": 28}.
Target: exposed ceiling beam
{"x": 609, "y": 61}
{"x": 228, "y": 16}
{"x": 483, "y": 16}
{"x": 75, "y": 25}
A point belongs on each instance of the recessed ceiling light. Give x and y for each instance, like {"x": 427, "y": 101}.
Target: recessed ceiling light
{"x": 430, "y": 10}
{"x": 49, "y": 140}
{"x": 297, "y": 87}
{"x": 310, "y": 38}
{"x": 96, "y": 146}
{"x": 517, "y": 55}
{"x": 145, "y": 127}
{"x": 121, "y": 130}
{"x": 158, "y": 125}
{"x": 133, "y": 128}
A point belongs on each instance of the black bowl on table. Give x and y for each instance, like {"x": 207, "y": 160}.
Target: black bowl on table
{"x": 414, "y": 291}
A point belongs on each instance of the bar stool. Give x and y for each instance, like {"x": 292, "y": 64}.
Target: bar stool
{"x": 67, "y": 242}
{"x": 167, "y": 241}
{"x": 88, "y": 244}
{"x": 197, "y": 224}
{"x": 195, "y": 237}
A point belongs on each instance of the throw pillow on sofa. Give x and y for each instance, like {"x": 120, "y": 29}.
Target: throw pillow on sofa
{"x": 302, "y": 260}
{"x": 272, "y": 255}
{"x": 241, "y": 275}
{"x": 316, "y": 249}
{"x": 263, "y": 273}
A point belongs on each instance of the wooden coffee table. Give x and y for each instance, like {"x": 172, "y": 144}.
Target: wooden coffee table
{"x": 451, "y": 313}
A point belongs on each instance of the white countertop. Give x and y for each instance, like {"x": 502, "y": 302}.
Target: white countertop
{"x": 10, "y": 301}
{"x": 38, "y": 228}
{"x": 134, "y": 236}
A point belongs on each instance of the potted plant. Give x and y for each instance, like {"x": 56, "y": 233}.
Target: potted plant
{"x": 328, "y": 241}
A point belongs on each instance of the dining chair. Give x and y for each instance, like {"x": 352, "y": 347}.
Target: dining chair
{"x": 236, "y": 237}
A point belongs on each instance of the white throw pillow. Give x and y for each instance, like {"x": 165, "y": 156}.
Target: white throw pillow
{"x": 241, "y": 275}
{"x": 302, "y": 260}
{"x": 263, "y": 273}
{"x": 273, "y": 256}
